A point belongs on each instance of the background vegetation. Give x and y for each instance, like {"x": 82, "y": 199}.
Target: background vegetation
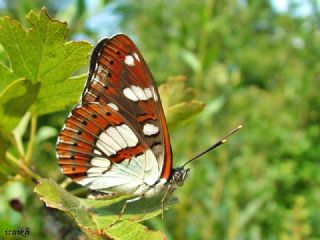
{"x": 250, "y": 64}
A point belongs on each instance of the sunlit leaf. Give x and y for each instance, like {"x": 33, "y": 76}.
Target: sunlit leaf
{"x": 6, "y": 76}
{"x": 62, "y": 94}
{"x": 41, "y": 54}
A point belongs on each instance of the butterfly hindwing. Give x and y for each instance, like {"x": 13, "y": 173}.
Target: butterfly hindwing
{"x": 98, "y": 146}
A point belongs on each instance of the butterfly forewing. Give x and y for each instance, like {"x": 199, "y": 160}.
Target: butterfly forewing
{"x": 118, "y": 129}
{"x": 120, "y": 77}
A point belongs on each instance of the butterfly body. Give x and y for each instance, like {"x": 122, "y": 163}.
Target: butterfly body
{"x": 116, "y": 139}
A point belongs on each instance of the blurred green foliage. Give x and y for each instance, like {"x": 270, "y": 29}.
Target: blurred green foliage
{"x": 250, "y": 65}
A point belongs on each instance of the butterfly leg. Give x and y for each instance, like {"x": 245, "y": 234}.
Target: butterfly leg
{"x": 163, "y": 200}
{"x": 124, "y": 208}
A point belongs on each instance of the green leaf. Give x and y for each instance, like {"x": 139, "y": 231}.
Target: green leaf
{"x": 174, "y": 91}
{"x": 183, "y": 111}
{"x": 62, "y": 94}
{"x": 41, "y": 54}
{"x": 251, "y": 210}
{"x": 191, "y": 60}
{"x": 15, "y": 101}
{"x": 213, "y": 107}
{"x": 94, "y": 217}
{"x": 45, "y": 133}
{"x": 178, "y": 101}
{"x": 6, "y": 76}
{"x": 129, "y": 230}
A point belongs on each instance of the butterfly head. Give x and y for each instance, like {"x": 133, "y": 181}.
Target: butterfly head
{"x": 179, "y": 175}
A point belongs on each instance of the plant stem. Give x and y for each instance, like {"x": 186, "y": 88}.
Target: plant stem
{"x": 203, "y": 40}
{"x": 28, "y": 155}
{"x": 15, "y": 143}
{"x": 65, "y": 183}
{"x": 19, "y": 146}
{"x": 22, "y": 166}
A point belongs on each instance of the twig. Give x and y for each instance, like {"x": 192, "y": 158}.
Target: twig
{"x": 28, "y": 155}
{"x": 22, "y": 166}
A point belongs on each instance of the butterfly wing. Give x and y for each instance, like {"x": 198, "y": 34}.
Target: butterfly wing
{"x": 123, "y": 140}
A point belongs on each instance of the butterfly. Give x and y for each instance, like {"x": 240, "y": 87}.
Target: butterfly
{"x": 116, "y": 139}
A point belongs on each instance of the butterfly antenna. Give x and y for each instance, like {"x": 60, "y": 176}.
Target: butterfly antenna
{"x": 217, "y": 144}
